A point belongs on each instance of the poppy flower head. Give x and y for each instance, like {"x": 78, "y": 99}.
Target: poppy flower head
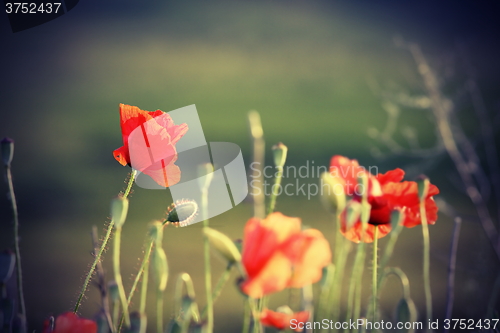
{"x": 149, "y": 140}
{"x": 277, "y": 254}
{"x": 386, "y": 192}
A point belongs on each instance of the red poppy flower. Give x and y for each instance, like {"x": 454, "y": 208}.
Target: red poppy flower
{"x": 386, "y": 192}
{"x": 149, "y": 140}
{"x": 277, "y": 254}
{"x": 70, "y": 323}
{"x": 282, "y": 320}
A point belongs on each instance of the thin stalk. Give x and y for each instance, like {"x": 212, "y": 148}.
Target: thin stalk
{"x": 427, "y": 281}
{"x": 246, "y": 317}
{"x": 275, "y": 189}
{"x": 97, "y": 258}
{"x": 208, "y": 274}
{"x": 102, "y": 282}
{"x": 357, "y": 273}
{"x": 118, "y": 276}
{"x": 218, "y": 288}
{"x": 451, "y": 268}
{"x": 159, "y": 311}
{"x": 144, "y": 287}
{"x": 389, "y": 249}
{"x": 20, "y": 290}
{"x": 258, "y": 143}
{"x": 374, "y": 274}
{"x": 116, "y": 311}
{"x": 144, "y": 269}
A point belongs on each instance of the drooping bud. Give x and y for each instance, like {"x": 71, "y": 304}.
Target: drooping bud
{"x": 397, "y": 216}
{"x": 160, "y": 264}
{"x": 119, "y": 209}
{"x": 280, "y": 152}
{"x": 223, "y": 245}
{"x": 406, "y": 312}
{"x": 113, "y": 292}
{"x": 7, "y": 145}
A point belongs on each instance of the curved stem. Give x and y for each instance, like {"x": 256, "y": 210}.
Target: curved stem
{"x": 20, "y": 291}
{"x": 102, "y": 249}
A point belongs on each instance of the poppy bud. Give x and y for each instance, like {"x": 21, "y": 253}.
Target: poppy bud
{"x": 333, "y": 196}
{"x": 113, "y": 291}
{"x": 119, "y": 209}
{"x": 223, "y": 245}
{"x": 423, "y": 187}
{"x": 353, "y": 213}
{"x": 138, "y": 323}
{"x": 205, "y": 175}
{"x": 406, "y": 312}
{"x": 182, "y": 212}
{"x": 397, "y": 216}
{"x": 7, "y": 151}
{"x": 160, "y": 265}
{"x": 280, "y": 151}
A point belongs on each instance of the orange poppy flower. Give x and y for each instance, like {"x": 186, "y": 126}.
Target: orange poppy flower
{"x": 283, "y": 321}
{"x": 386, "y": 192}
{"x": 149, "y": 140}
{"x": 69, "y": 322}
{"x": 277, "y": 254}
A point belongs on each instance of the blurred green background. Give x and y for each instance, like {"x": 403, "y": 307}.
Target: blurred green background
{"x": 307, "y": 67}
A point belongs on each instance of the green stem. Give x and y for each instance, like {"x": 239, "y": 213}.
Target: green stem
{"x": 246, "y": 317}
{"x": 118, "y": 276}
{"x": 218, "y": 288}
{"x": 144, "y": 287}
{"x": 208, "y": 274}
{"x": 275, "y": 190}
{"x": 374, "y": 274}
{"x": 159, "y": 311}
{"x": 427, "y": 282}
{"x": 102, "y": 249}
{"x": 20, "y": 291}
{"x": 144, "y": 269}
{"x": 357, "y": 273}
